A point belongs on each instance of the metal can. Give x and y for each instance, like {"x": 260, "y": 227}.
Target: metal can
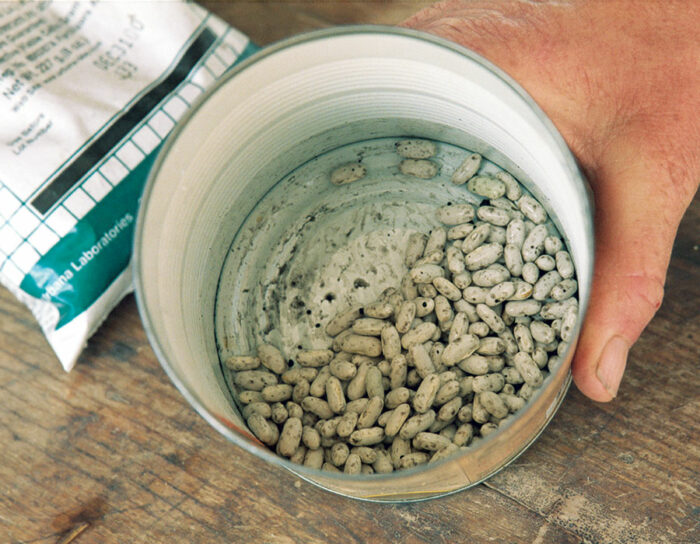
{"x": 281, "y": 108}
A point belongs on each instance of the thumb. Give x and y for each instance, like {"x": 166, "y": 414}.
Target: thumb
{"x": 635, "y": 227}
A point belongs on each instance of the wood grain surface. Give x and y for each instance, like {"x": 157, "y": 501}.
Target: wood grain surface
{"x": 112, "y": 453}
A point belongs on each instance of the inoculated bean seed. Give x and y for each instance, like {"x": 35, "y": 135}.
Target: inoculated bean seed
{"x": 486, "y": 186}
{"x": 476, "y": 237}
{"x": 530, "y": 273}
{"x": 523, "y": 337}
{"x": 318, "y": 407}
{"x": 433, "y": 257}
{"x": 290, "y": 437}
{"x": 493, "y": 215}
{"x": 455, "y": 260}
{"x": 246, "y": 397}
{"x": 405, "y": 316}
{"x": 339, "y": 453}
{"x": 515, "y": 233}
{"x": 449, "y": 410}
{"x": 545, "y": 263}
{"x": 424, "y": 306}
{"x": 467, "y": 169}
{"x": 265, "y": 431}
{"x": 488, "y": 382}
{"x": 448, "y": 289}
{"x": 511, "y": 401}
{"x": 383, "y": 464}
{"x": 347, "y": 173}
{"x": 343, "y": 370}
{"x": 419, "y": 168}
{"x": 459, "y": 232}
{"x": 362, "y": 345}
{"x": 534, "y": 243}
{"x": 368, "y": 326}
{"x": 568, "y": 323}
{"x": 479, "y": 413}
{"x": 513, "y": 259}
{"x": 408, "y": 288}
{"x": 532, "y": 209}
{"x": 425, "y": 395}
{"x": 436, "y": 241}
{"x": 418, "y": 335}
{"x": 341, "y": 322}
{"x": 491, "y": 318}
{"x": 455, "y": 214}
{"x": 335, "y": 395}
{"x": 271, "y": 358}
{"x": 564, "y": 265}
{"x": 564, "y": 289}
{"x": 427, "y": 290}
{"x": 416, "y": 424}
{"x": 541, "y": 332}
{"x": 465, "y": 414}
{"x": 519, "y": 308}
{"x": 379, "y": 310}
{"x": 554, "y": 310}
{"x": 367, "y": 437}
{"x": 295, "y": 375}
{"x": 483, "y": 255}
{"x": 369, "y": 416}
{"x": 415, "y": 246}
{"x": 464, "y": 435}
{"x": 493, "y": 404}
{"x": 528, "y": 369}
{"x": 254, "y": 380}
{"x": 488, "y": 428}
{"x": 552, "y": 245}
{"x": 374, "y": 385}
{"x": 448, "y": 391}
{"x": 242, "y": 362}
{"x": 488, "y": 277}
{"x": 415, "y": 149}
{"x": 314, "y": 458}
{"x": 279, "y": 413}
{"x": 491, "y": 345}
{"x": 430, "y": 441}
{"x": 260, "y": 408}
{"x": 300, "y": 391}
{"x": 513, "y": 191}
{"x": 475, "y": 365}
{"x": 426, "y": 273}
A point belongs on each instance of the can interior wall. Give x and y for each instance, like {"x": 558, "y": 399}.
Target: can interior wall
{"x": 281, "y": 108}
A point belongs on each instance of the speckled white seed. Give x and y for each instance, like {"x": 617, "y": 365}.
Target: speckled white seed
{"x": 415, "y": 148}
{"x": 486, "y": 186}
{"x": 469, "y": 166}
{"x": 348, "y": 173}
{"x": 455, "y": 214}
{"x": 419, "y": 168}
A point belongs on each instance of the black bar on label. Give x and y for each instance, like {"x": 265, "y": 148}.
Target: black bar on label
{"x": 67, "y": 179}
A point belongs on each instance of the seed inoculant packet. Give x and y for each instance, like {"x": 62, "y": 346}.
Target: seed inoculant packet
{"x": 88, "y": 93}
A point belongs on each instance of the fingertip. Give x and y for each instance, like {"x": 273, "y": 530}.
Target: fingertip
{"x": 589, "y": 385}
{"x": 600, "y": 380}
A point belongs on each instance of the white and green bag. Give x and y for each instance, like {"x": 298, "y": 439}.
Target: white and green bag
{"x": 88, "y": 93}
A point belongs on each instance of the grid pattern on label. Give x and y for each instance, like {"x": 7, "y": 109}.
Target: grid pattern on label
{"x": 25, "y": 236}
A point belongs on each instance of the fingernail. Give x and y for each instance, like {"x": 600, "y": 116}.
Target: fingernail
{"x": 611, "y": 364}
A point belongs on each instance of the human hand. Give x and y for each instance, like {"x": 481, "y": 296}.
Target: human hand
{"x": 621, "y": 82}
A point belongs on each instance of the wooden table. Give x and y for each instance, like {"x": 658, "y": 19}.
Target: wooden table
{"x": 113, "y": 453}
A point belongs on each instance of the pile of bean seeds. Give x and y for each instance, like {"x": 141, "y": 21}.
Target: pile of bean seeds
{"x": 486, "y": 310}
